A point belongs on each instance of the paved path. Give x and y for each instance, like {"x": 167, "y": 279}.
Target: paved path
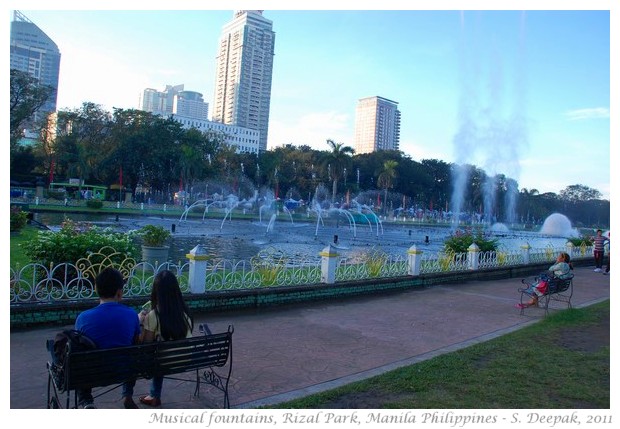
{"x": 285, "y": 353}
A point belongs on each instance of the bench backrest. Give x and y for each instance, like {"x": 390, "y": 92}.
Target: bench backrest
{"x": 559, "y": 285}
{"x": 105, "y": 367}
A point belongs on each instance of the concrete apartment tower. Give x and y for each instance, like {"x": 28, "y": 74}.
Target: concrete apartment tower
{"x": 174, "y": 100}
{"x": 377, "y": 125}
{"x": 33, "y": 52}
{"x": 244, "y": 67}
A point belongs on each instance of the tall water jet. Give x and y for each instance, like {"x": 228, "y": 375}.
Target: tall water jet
{"x": 490, "y": 189}
{"x": 488, "y": 135}
{"x": 510, "y": 201}
{"x": 460, "y": 178}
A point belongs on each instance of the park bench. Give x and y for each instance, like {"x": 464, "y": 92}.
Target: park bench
{"x": 557, "y": 290}
{"x": 113, "y": 367}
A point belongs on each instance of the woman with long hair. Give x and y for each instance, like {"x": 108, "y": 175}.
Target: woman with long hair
{"x": 168, "y": 319}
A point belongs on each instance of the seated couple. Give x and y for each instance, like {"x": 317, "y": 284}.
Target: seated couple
{"x": 560, "y": 270}
{"x": 113, "y": 324}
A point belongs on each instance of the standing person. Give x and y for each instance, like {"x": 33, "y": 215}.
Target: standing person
{"x": 169, "y": 319}
{"x": 608, "y": 253}
{"x": 599, "y": 250}
{"x": 110, "y": 324}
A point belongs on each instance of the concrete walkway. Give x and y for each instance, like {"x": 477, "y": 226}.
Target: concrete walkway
{"x": 285, "y": 353}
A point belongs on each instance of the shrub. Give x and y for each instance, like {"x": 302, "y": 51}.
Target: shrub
{"x": 56, "y": 195}
{"x": 581, "y": 241}
{"x": 76, "y": 240}
{"x": 445, "y": 259}
{"x": 268, "y": 264}
{"x": 19, "y": 218}
{"x": 94, "y": 204}
{"x": 374, "y": 260}
{"x": 153, "y": 236}
{"x": 460, "y": 241}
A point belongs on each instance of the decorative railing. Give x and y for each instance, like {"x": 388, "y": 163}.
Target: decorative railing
{"x": 374, "y": 264}
{"x": 443, "y": 262}
{"x": 270, "y": 268}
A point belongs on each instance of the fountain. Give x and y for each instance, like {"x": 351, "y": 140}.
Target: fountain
{"x": 558, "y": 225}
{"x": 499, "y": 228}
{"x": 247, "y": 234}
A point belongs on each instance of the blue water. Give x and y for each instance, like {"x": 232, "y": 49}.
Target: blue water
{"x": 243, "y": 239}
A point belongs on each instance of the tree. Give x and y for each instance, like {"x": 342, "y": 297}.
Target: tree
{"x": 575, "y": 193}
{"x": 439, "y": 173}
{"x": 386, "y": 179}
{"x": 337, "y": 160}
{"x": 27, "y": 97}
{"x": 83, "y": 143}
{"x": 194, "y": 152}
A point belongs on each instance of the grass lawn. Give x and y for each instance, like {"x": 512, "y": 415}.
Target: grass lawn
{"x": 17, "y": 253}
{"x": 562, "y": 362}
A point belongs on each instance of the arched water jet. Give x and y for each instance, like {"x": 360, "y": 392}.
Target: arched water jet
{"x": 290, "y": 215}
{"x": 272, "y": 221}
{"x": 319, "y": 220}
{"x": 198, "y": 203}
{"x": 350, "y": 218}
{"x": 231, "y": 203}
{"x": 359, "y": 211}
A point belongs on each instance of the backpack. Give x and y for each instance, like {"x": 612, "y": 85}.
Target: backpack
{"x": 69, "y": 339}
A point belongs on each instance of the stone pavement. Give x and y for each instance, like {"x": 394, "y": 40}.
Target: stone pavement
{"x": 288, "y": 352}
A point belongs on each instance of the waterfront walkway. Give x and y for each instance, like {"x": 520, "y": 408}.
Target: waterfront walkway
{"x": 289, "y": 352}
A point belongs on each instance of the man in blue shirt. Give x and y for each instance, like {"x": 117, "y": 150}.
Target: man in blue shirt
{"x": 110, "y": 324}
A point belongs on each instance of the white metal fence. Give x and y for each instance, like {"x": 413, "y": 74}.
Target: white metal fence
{"x": 67, "y": 281}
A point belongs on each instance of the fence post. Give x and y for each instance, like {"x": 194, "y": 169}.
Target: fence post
{"x": 525, "y": 251}
{"x": 414, "y": 259}
{"x": 328, "y": 265}
{"x": 198, "y": 258}
{"x": 472, "y": 256}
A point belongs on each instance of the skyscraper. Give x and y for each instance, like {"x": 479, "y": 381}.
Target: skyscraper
{"x": 33, "y": 52}
{"x": 377, "y": 125}
{"x": 244, "y": 67}
{"x": 190, "y": 104}
{"x": 174, "y": 100}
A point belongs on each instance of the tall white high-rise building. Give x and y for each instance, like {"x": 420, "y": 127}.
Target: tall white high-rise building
{"x": 377, "y": 125}
{"x": 244, "y": 67}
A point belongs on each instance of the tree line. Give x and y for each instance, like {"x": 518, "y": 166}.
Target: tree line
{"x": 150, "y": 154}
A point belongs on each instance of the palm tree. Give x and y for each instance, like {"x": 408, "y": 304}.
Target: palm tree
{"x": 386, "y": 179}
{"x": 337, "y": 160}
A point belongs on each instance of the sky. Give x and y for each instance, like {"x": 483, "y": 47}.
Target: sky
{"x": 525, "y": 93}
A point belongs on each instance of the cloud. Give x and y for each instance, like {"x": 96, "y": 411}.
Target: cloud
{"x": 592, "y": 113}
{"x": 312, "y": 129}
{"x": 419, "y": 151}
